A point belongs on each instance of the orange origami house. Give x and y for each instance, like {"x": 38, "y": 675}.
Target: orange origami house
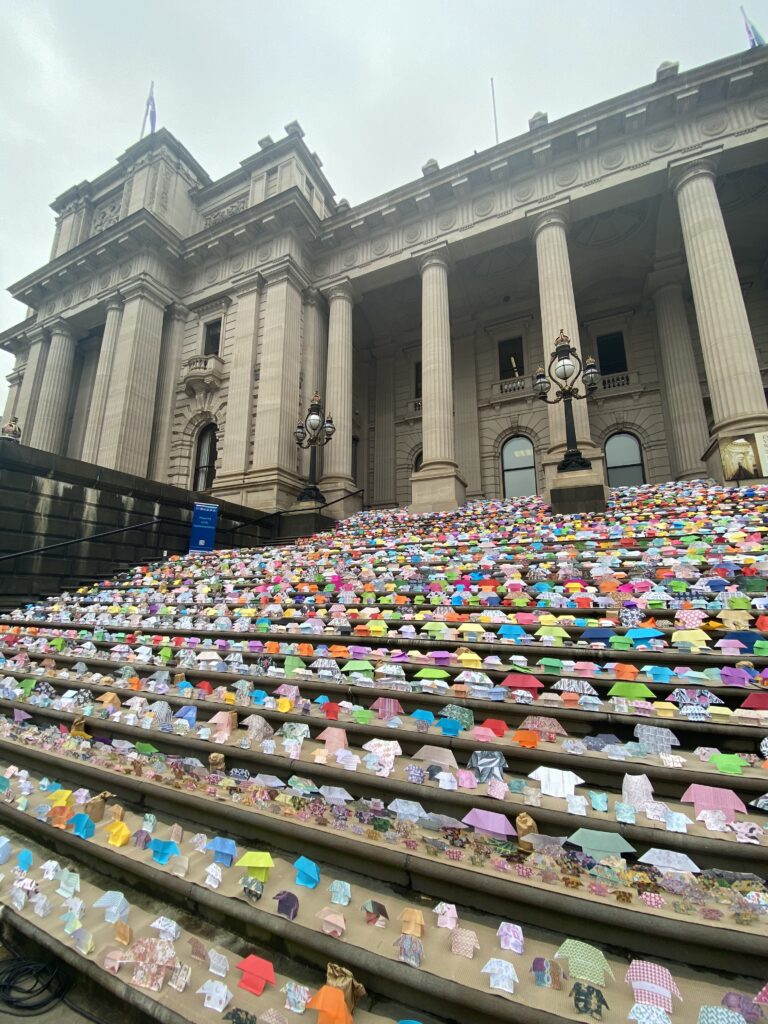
{"x": 331, "y": 1006}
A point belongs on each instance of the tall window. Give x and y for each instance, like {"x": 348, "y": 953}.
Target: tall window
{"x": 417, "y": 380}
{"x": 270, "y": 186}
{"x": 511, "y": 359}
{"x": 212, "y": 338}
{"x": 624, "y": 461}
{"x": 518, "y": 467}
{"x": 611, "y": 353}
{"x": 205, "y": 459}
{"x": 418, "y": 461}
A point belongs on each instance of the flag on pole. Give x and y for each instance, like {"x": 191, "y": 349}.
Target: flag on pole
{"x": 150, "y": 112}
{"x": 754, "y": 36}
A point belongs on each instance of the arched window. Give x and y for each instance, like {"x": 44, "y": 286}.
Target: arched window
{"x": 518, "y": 467}
{"x": 205, "y": 459}
{"x": 418, "y": 461}
{"x": 624, "y": 461}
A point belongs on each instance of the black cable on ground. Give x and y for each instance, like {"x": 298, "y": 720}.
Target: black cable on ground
{"x": 29, "y": 987}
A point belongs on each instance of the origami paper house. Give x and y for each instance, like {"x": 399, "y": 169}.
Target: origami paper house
{"x": 307, "y": 873}
{"x": 600, "y": 844}
{"x": 375, "y": 913}
{"x": 5, "y": 849}
{"x": 115, "y": 906}
{"x": 331, "y": 1006}
{"x": 489, "y": 823}
{"x": 163, "y": 850}
{"x": 119, "y": 833}
{"x": 652, "y": 985}
{"x": 287, "y": 904}
{"x": 333, "y": 922}
{"x": 585, "y": 962}
{"x": 224, "y": 850}
{"x": 412, "y": 921}
{"x": 258, "y": 864}
{"x": 82, "y": 826}
{"x": 706, "y": 798}
{"x": 257, "y": 974}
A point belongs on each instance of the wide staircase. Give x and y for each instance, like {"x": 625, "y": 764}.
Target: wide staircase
{"x": 493, "y": 765}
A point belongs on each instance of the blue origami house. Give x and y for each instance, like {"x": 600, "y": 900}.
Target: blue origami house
{"x": 224, "y": 850}
{"x": 82, "y": 826}
{"x": 307, "y": 873}
{"x": 5, "y": 849}
{"x": 24, "y": 860}
{"x": 449, "y": 727}
{"x": 188, "y": 713}
{"x": 163, "y": 850}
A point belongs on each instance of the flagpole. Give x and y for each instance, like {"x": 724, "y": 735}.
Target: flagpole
{"x": 495, "y": 121}
{"x": 146, "y": 110}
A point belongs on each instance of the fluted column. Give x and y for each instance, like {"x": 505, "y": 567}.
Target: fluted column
{"x": 437, "y": 485}
{"x": 55, "y": 391}
{"x": 338, "y": 389}
{"x": 103, "y": 373}
{"x": 436, "y": 367}
{"x": 689, "y": 436}
{"x": 171, "y": 346}
{"x": 730, "y": 360}
{"x": 274, "y": 448}
{"x": 127, "y": 432}
{"x": 235, "y": 456}
{"x": 34, "y": 368}
{"x": 384, "y": 489}
{"x": 313, "y": 356}
{"x": 11, "y": 399}
{"x": 558, "y": 311}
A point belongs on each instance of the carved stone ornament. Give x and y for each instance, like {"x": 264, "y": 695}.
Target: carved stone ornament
{"x": 225, "y": 212}
{"x": 105, "y": 215}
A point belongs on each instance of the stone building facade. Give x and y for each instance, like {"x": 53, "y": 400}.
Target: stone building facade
{"x": 181, "y": 325}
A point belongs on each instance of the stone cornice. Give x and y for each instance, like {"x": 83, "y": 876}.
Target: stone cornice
{"x": 286, "y": 269}
{"x": 91, "y": 257}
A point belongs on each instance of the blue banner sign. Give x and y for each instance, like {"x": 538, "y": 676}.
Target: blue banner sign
{"x": 204, "y": 519}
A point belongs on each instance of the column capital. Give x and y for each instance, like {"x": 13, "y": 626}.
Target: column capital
{"x": 666, "y": 277}
{"x": 60, "y": 327}
{"x": 341, "y": 291}
{"x": 704, "y": 165}
{"x": 286, "y": 269}
{"x": 434, "y": 256}
{"x": 113, "y": 301}
{"x": 244, "y": 284}
{"x": 313, "y": 297}
{"x": 559, "y": 215}
{"x": 177, "y": 311}
{"x": 144, "y": 288}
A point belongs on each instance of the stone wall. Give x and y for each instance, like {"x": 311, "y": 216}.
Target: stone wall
{"x": 45, "y": 499}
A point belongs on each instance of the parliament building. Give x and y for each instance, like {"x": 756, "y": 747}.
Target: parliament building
{"x": 181, "y": 325}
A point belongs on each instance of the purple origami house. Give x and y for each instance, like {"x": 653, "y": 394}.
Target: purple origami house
{"x": 489, "y": 823}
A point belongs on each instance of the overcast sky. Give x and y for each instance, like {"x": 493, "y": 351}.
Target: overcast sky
{"x": 379, "y": 86}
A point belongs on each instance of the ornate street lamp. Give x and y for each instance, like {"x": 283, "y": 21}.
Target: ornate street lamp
{"x": 315, "y": 432}
{"x": 565, "y": 368}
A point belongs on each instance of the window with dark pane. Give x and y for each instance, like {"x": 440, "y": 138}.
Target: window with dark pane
{"x": 511, "y": 359}
{"x": 611, "y": 354}
{"x": 212, "y": 338}
{"x": 624, "y": 461}
{"x": 518, "y": 467}
{"x": 205, "y": 459}
{"x": 417, "y": 380}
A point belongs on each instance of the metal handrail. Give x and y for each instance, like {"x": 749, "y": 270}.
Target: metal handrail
{"x": 352, "y": 494}
{"x": 92, "y": 536}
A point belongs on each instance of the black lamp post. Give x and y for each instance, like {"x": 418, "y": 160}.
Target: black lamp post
{"x": 315, "y": 432}
{"x": 565, "y": 368}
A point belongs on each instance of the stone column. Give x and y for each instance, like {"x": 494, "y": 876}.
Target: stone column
{"x": 337, "y": 475}
{"x": 558, "y": 311}
{"x": 236, "y": 442}
{"x": 313, "y": 358}
{"x": 127, "y": 432}
{"x": 55, "y": 391}
{"x": 437, "y": 485}
{"x": 689, "y": 436}
{"x": 26, "y": 406}
{"x": 171, "y": 346}
{"x": 14, "y": 379}
{"x": 730, "y": 360}
{"x": 103, "y": 373}
{"x": 274, "y": 450}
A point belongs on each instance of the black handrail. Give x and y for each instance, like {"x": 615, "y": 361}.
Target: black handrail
{"x": 93, "y": 536}
{"x": 352, "y": 494}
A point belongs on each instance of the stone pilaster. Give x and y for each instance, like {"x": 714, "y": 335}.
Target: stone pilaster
{"x": 337, "y": 457}
{"x": 689, "y": 436}
{"x": 313, "y": 357}
{"x": 169, "y": 371}
{"x": 13, "y": 379}
{"x": 55, "y": 391}
{"x": 101, "y": 385}
{"x": 26, "y": 406}
{"x": 236, "y": 444}
{"x": 275, "y": 481}
{"x": 730, "y": 360}
{"x": 558, "y": 311}
{"x": 127, "y": 432}
{"x": 465, "y": 403}
{"x": 384, "y": 490}
{"x": 437, "y": 486}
